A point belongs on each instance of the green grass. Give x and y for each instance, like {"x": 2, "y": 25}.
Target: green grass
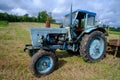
{"x": 3, "y": 23}
{"x": 114, "y": 32}
{"x": 14, "y": 63}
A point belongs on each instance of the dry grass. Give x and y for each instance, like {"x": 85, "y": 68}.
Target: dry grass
{"x": 14, "y": 63}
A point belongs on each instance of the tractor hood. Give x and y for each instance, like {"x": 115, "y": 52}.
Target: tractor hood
{"x": 38, "y": 33}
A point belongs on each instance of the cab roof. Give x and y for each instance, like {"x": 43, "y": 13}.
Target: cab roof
{"x": 83, "y": 11}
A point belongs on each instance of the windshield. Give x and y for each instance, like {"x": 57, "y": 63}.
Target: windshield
{"x": 66, "y": 22}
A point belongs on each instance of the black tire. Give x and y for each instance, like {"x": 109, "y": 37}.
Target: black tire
{"x": 85, "y": 46}
{"x": 35, "y": 61}
{"x": 71, "y": 52}
{"x": 30, "y": 53}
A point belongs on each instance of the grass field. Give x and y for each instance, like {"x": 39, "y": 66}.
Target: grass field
{"x": 14, "y": 62}
{"x": 3, "y": 23}
{"x": 114, "y": 32}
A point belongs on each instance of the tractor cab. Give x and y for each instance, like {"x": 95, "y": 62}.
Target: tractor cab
{"x": 81, "y": 20}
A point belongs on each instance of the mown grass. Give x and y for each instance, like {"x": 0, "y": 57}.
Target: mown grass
{"x": 114, "y": 32}
{"x": 3, "y": 23}
{"x": 14, "y": 62}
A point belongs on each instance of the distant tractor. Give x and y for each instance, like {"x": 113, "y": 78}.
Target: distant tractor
{"x": 78, "y": 34}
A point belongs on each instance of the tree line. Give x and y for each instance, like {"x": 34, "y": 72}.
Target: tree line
{"x": 41, "y": 17}
{"x": 111, "y": 28}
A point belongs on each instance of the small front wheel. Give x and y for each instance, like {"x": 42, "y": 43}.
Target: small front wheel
{"x": 42, "y": 63}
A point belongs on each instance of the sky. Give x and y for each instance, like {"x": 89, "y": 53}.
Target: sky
{"x": 108, "y": 11}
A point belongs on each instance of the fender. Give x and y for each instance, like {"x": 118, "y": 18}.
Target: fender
{"x": 90, "y": 30}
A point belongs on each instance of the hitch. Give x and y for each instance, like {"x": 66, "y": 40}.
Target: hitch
{"x": 28, "y": 47}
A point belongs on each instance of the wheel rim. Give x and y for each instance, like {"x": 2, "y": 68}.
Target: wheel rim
{"x": 44, "y": 64}
{"x": 96, "y": 47}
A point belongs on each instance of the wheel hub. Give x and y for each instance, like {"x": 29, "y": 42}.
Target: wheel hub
{"x": 44, "y": 64}
{"x": 96, "y": 48}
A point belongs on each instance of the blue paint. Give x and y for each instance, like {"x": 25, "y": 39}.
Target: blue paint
{"x": 85, "y": 22}
{"x": 64, "y": 46}
{"x": 90, "y": 29}
{"x": 48, "y": 38}
{"x": 36, "y": 34}
{"x": 54, "y": 47}
{"x": 83, "y": 11}
{"x": 96, "y": 47}
{"x": 44, "y": 64}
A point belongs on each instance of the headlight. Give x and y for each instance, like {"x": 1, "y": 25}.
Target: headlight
{"x": 40, "y": 41}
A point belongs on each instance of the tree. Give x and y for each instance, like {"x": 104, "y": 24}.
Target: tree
{"x": 50, "y": 17}
{"x": 26, "y": 17}
{"x": 38, "y": 17}
{"x": 3, "y": 16}
{"x": 42, "y": 16}
{"x": 52, "y": 20}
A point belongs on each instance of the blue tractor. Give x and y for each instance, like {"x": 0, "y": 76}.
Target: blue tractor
{"x": 77, "y": 34}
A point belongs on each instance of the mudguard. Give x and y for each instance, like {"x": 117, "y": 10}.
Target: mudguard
{"x": 89, "y": 30}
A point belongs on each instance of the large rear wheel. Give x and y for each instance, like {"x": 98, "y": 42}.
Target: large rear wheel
{"x": 93, "y": 46}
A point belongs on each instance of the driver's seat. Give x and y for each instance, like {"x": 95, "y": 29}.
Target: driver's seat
{"x": 78, "y": 30}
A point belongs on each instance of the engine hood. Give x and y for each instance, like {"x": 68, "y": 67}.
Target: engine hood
{"x": 37, "y": 33}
